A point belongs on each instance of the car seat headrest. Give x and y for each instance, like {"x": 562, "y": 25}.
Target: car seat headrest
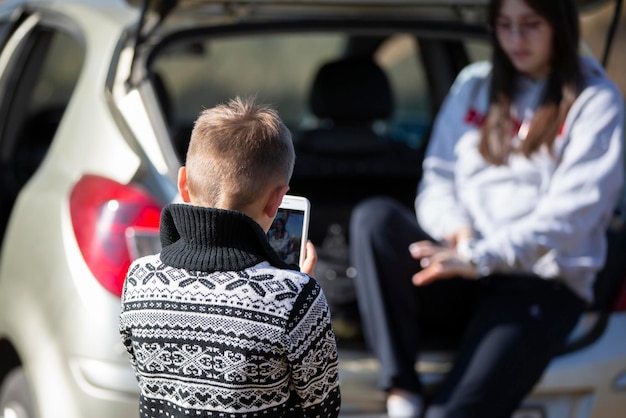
{"x": 351, "y": 90}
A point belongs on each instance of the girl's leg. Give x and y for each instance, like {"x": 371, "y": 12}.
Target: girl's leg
{"x": 392, "y": 308}
{"x": 519, "y": 324}
{"x": 380, "y": 233}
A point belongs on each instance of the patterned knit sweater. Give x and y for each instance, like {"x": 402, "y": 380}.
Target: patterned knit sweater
{"x": 217, "y": 325}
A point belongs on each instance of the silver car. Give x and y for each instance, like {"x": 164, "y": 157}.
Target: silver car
{"x": 97, "y": 100}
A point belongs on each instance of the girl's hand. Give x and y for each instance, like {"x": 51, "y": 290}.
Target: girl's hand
{"x": 439, "y": 263}
{"x": 463, "y": 233}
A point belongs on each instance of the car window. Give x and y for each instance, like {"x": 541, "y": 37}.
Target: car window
{"x": 39, "y": 84}
{"x": 478, "y": 50}
{"x": 280, "y": 70}
{"x": 5, "y": 28}
{"x": 59, "y": 73}
{"x": 44, "y": 83}
{"x": 399, "y": 57}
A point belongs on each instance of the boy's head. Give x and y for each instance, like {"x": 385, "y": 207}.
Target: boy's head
{"x": 239, "y": 154}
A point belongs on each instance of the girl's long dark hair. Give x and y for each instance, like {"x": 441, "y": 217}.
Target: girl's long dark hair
{"x": 563, "y": 85}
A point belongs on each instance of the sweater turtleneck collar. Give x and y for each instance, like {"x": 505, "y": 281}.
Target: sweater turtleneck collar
{"x": 208, "y": 239}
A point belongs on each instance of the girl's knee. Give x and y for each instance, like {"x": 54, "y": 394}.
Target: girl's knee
{"x": 374, "y": 210}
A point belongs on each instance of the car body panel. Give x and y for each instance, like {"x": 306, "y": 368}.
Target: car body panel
{"x": 91, "y": 340}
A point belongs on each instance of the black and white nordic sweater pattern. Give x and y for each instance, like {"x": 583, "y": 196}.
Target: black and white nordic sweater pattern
{"x": 217, "y": 325}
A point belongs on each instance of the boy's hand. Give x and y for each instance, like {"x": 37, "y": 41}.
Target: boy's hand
{"x": 310, "y": 259}
{"x": 439, "y": 263}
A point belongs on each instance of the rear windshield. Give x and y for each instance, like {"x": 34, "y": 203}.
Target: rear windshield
{"x": 280, "y": 69}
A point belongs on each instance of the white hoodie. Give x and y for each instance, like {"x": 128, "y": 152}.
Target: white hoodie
{"x": 547, "y": 214}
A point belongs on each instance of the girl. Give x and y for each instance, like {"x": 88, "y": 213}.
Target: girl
{"x": 521, "y": 177}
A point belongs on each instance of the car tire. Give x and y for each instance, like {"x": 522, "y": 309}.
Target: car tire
{"x": 16, "y": 400}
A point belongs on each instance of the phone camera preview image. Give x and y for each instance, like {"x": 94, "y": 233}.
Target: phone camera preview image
{"x": 285, "y": 234}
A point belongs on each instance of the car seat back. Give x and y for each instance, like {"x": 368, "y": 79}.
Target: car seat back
{"x": 347, "y": 97}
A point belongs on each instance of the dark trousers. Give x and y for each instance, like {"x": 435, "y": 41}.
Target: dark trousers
{"x": 505, "y": 328}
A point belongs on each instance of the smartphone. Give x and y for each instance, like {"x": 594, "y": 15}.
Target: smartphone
{"x": 288, "y": 233}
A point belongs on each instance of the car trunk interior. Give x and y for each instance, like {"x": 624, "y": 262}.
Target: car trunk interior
{"x": 344, "y": 160}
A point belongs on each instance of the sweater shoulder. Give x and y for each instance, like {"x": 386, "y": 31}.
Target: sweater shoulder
{"x": 470, "y": 86}
{"x": 293, "y": 279}
{"x": 149, "y": 261}
{"x": 478, "y": 69}
{"x": 596, "y": 80}
{"x": 472, "y": 74}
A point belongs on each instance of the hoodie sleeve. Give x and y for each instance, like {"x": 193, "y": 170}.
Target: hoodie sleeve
{"x": 437, "y": 207}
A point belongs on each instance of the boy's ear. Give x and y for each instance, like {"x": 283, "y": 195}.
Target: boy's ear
{"x": 275, "y": 199}
{"x": 182, "y": 184}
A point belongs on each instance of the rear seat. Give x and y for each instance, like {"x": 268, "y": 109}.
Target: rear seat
{"x": 344, "y": 160}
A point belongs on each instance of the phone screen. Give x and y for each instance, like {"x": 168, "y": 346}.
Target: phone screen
{"x": 286, "y": 234}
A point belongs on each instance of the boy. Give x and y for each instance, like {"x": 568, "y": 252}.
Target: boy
{"x": 217, "y": 325}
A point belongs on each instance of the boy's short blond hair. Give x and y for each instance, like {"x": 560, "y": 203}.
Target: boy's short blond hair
{"x": 236, "y": 152}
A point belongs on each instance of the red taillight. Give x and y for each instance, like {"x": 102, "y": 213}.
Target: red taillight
{"x": 107, "y": 216}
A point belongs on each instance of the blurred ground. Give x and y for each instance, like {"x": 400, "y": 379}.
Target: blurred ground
{"x": 360, "y": 397}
